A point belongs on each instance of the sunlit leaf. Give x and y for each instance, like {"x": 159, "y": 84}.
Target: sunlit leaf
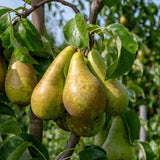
{"x": 126, "y": 46}
{"x": 75, "y": 32}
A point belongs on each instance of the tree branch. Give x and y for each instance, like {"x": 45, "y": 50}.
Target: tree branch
{"x": 96, "y": 7}
{"x": 26, "y": 13}
{"x": 69, "y": 148}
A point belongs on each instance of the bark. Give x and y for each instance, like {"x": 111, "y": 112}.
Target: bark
{"x": 69, "y": 148}
{"x": 35, "y": 124}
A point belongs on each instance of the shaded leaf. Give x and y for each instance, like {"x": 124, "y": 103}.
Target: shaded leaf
{"x": 92, "y": 152}
{"x": 110, "y": 3}
{"x": 6, "y": 110}
{"x": 132, "y": 123}
{"x": 10, "y": 127}
{"x": 40, "y": 151}
{"x": 28, "y": 36}
{"x": 75, "y": 32}
{"x": 9, "y": 147}
{"x": 146, "y": 150}
{"x": 17, "y": 153}
{"x": 20, "y": 52}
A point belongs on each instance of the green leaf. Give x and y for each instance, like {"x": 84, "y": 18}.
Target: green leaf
{"x": 75, "y": 32}
{"x": 6, "y": 110}
{"x": 147, "y": 150}
{"x": 10, "y": 127}
{"x": 20, "y": 52}
{"x": 121, "y": 65}
{"x": 126, "y": 37}
{"x": 126, "y": 46}
{"x": 20, "y": 56}
{"x": 17, "y": 153}
{"x": 5, "y": 30}
{"x": 132, "y": 123}
{"x": 39, "y": 150}
{"x": 28, "y": 36}
{"x": 95, "y": 29}
{"x": 4, "y": 10}
{"x": 110, "y": 3}
{"x": 8, "y": 147}
{"x": 92, "y": 152}
{"x": 137, "y": 90}
{"x": 45, "y": 51}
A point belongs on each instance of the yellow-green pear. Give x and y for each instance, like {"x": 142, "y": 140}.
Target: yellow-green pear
{"x": 20, "y": 81}
{"x": 46, "y": 100}
{"x": 2, "y": 74}
{"x": 81, "y": 127}
{"x": 83, "y": 94}
{"x": 116, "y": 93}
{"x": 117, "y": 144}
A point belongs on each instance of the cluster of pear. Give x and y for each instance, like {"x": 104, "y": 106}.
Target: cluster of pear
{"x": 74, "y": 94}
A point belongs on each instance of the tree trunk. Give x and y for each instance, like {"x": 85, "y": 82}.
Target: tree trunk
{"x": 143, "y": 134}
{"x": 35, "y": 124}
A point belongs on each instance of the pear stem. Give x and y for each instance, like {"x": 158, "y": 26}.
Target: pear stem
{"x": 69, "y": 148}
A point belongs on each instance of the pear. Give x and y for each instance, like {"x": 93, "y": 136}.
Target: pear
{"x": 116, "y": 93}
{"x": 20, "y": 81}
{"x": 83, "y": 94}
{"x": 2, "y": 74}
{"x": 117, "y": 144}
{"x": 46, "y": 100}
{"x": 100, "y": 138}
{"x": 81, "y": 127}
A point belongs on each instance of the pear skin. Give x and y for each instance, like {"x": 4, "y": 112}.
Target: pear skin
{"x": 116, "y": 93}
{"x": 46, "y": 100}
{"x": 81, "y": 127}
{"x": 2, "y": 74}
{"x": 20, "y": 82}
{"x": 83, "y": 94}
{"x": 117, "y": 144}
{"x": 117, "y": 97}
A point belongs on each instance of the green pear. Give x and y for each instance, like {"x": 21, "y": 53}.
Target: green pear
{"x": 2, "y": 74}
{"x": 117, "y": 144}
{"x": 81, "y": 127}
{"x": 46, "y": 100}
{"x": 100, "y": 138}
{"x": 20, "y": 81}
{"x": 83, "y": 94}
{"x": 116, "y": 93}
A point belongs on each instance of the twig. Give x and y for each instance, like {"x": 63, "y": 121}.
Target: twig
{"x": 96, "y": 7}
{"x": 26, "y": 13}
{"x": 69, "y": 148}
